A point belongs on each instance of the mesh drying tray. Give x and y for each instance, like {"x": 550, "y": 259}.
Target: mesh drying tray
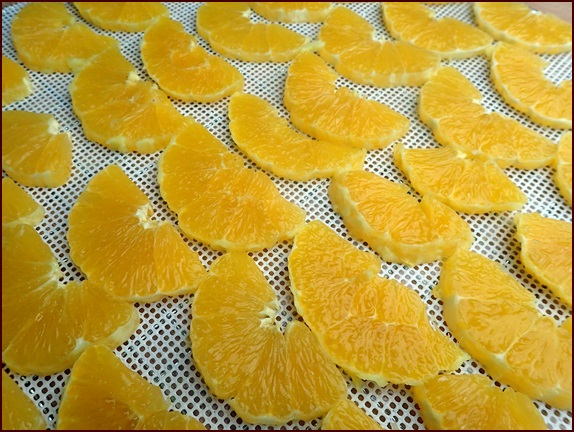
{"x": 160, "y": 349}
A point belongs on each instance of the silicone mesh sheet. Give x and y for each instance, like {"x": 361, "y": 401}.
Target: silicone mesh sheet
{"x": 160, "y": 349}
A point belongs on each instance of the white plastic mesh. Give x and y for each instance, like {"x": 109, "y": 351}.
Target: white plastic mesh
{"x": 160, "y": 349}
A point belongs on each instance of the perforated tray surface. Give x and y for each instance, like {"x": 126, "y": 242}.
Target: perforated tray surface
{"x": 160, "y": 349}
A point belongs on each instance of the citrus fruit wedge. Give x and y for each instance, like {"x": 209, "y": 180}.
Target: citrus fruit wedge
{"x": 519, "y": 24}
{"x": 473, "y": 402}
{"x": 546, "y": 251}
{"x": 16, "y": 83}
{"x": 373, "y": 327}
{"x": 293, "y": 12}
{"x": 220, "y": 202}
{"x": 394, "y": 223}
{"x": 116, "y": 242}
{"x": 46, "y": 324}
{"x": 496, "y": 321}
{"x": 18, "y": 411}
{"x": 34, "y": 153}
{"x": 345, "y": 415}
{"x": 122, "y": 16}
{"x": 466, "y": 185}
{"x": 182, "y": 68}
{"x": 448, "y": 37}
{"x": 268, "y": 377}
{"x": 320, "y": 109}
{"x": 450, "y": 106}
{"x": 563, "y": 164}
{"x": 46, "y": 36}
{"x": 103, "y": 393}
{"x": 18, "y": 207}
{"x": 268, "y": 139}
{"x": 118, "y": 109}
{"x": 349, "y": 45}
{"x": 230, "y": 32}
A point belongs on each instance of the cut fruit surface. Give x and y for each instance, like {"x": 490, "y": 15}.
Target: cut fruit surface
{"x": 268, "y": 377}
{"x": 495, "y": 319}
{"x": 450, "y": 106}
{"x": 447, "y": 37}
{"x": 182, "y": 68}
{"x": 18, "y": 411}
{"x": 18, "y": 207}
{"x": 220, "y": 202}
{"x": 345, "y": 415}
{"x": 374, "y": 328}
{"x": 546, "y": 251}
{"x": 563, "y": 164}
{"x": 269, "y": 140}
{"x": 16, "y": 83}
{"x": 46, "y": 36}
{"x": 45, "y": 324}
{"x": 293, "y": 12}
{"x": 320, "y": 109}
{"x": 473, "y": 402}
{"x": 393, "y": 222}
{"x": 465, "y": 185}
{"x": 122, "y": 16}
{"x": 116, "y": 242}
{"x": 34, "y": 153}
{"x": 349, "y": 45}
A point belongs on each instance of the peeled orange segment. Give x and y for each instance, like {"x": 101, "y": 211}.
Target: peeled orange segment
{"x": 374, "y": 328}
{"x": 229, "y": 30}
{"x": 546, "y": 251}
{"x": 293, "y": 12}
{"x": 447, "y": 37}
{"x": 270, "y": 141}
{"x": 16, "y": 83}
{"x": 122, "y": 16}
{"x": 465, "y": 185}
{"x": 473, "y": 402}
{"x": 516, "y": 23}
{"x": 45, "y": 324}
{"x": 103, "y": 393}
{"x": 563, "y": 164}
{"x": 18, "y": 411}
{"x": 182, "y": 68}
{"x": 450, "y": 106}
{"x": 338, "y": 115}
{"x": 34, "y": 153}
{"x": 496, "y": 321}
{"x": 118, "y": 109}
{"x": 345, "y": 415}
{"x": 46, "y": 36}
{"x": 18, "y": 207}
{"x": 349, "y": 45}
{"x": 218, "y": 200}
{"x": 393, "y": 222}
{"x": 268, "y": 377}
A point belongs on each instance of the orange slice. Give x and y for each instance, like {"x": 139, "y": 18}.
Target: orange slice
{"x": 269, "y": 140}
{"x": 229, "y": 30}
{"x": 339, "y": 115}
{"x": 45, "y": 324}
{"x": 546, "y": 251}
{"x": 563, "y": 175}
{"x": 349, "y": 45}
{"x": 449, "y": 105}
{"x": 293, "y": 12}
{"x": 34, "y": 153}
{"x": 393, "y": 222}
{"x": 182, "y": 68}
{"x": 268, "y": 377}
{"x": 122, "y": 16}
{"x": 473, "y": 402}
{"x": 18, "y": 207}
{"x": 16, "y": 83}
{"x": 496, "y": 321}
{"x": 447, "y": 37}
{"x": 518, "y": 75}
{"x": 218, "y": 201}
{"x": 46, "y": 36}
{"x": 373, "y": 327}
{"x": 345, "y": 415}
{"x": 516, "y": 23}
{"x": 118, "y": 109}
{"x": 18, "y": 411}
{"x": 103, "y": 393}
{"x": 465, "y": 185}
